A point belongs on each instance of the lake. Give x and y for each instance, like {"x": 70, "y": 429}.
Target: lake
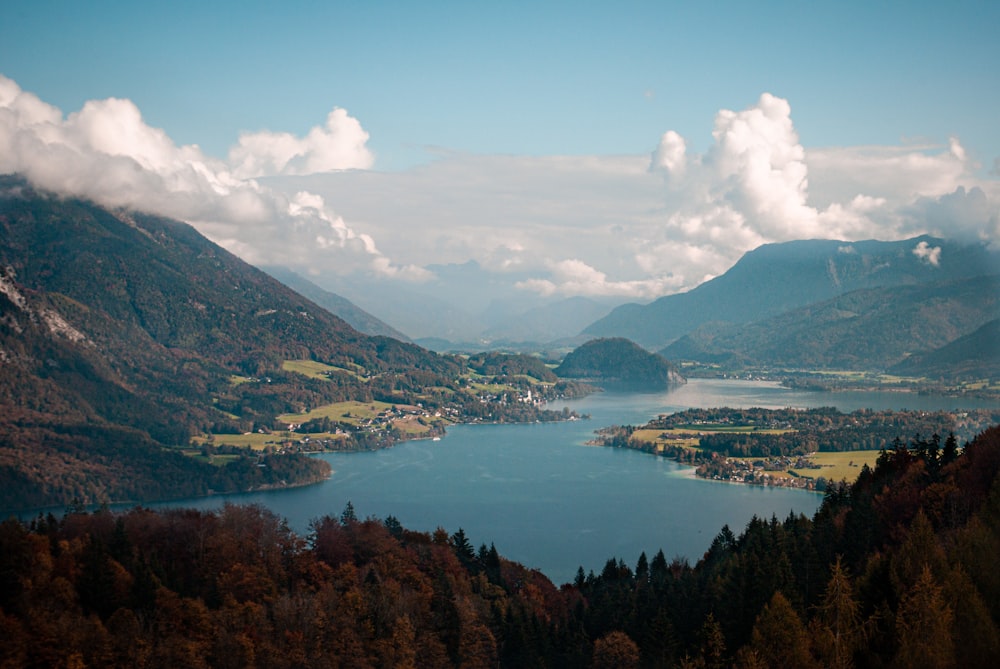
{"x": 549, "y": 501}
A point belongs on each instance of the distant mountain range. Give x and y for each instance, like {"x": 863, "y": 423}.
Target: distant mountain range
{"x": 778, "y": 277}
{"x": 447, "y": 313}
{"x": 870, "y": 329}
{"x": 830, "y": 305}
{"x": 353, "y": 315}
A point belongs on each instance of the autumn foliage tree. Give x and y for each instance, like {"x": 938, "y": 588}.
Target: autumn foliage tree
{"x": 893, "y": 570}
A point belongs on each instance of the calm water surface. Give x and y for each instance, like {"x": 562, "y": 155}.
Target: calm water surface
{"x": 547, "y": 500}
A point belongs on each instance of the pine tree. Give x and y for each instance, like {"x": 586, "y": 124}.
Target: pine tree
{"x": 923, "y": 625}
{"x": 837, "y": 627}
{"x": 779, "y": 637}
{"x": 463, "y": 548}
{"x": 713, "y": 644}
{"x": 348, "y": 516}
{"x": 950, "y": 452}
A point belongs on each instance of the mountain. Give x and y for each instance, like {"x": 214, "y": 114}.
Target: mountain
{"x": 123, "y": 334}
{"x": 356, "y": 317}
{"x": 860, "y": 330}
{"x": 777, "y": 277}
{"x": 408, "y": 308}
{"x": 547, "y": 322}
{"x": 974, "y": 356}
{"x": 864, "y": 329}
{"x": 618, "y": 362}
{"x": 466, "y": 307}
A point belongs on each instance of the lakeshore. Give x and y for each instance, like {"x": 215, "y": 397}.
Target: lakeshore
{"x": 552, "y": 503}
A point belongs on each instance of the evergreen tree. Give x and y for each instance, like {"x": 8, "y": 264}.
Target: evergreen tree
{"x": 348, "y": 516}
{"x": 713, "y": 644}
{"x": 934, "y": 453}
{"x": 837, "y": 628}
{"x": 658, "y": 572}
{"x": 950, "y": 452}
{"x": 923, "y": 625}
{"x": 779, "y": 637}
{"x": 463, "y": 548}
{"x": 642, "y": 569}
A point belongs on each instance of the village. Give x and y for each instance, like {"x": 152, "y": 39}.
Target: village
{"x": 374, "y": 424}
{"x": 781, "y": 471}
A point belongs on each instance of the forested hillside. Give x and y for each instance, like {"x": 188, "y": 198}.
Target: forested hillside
{"x": 870, "y": 329}
{"x": 892, "y": 570}
{"x": 974, "y": 356}
{"x": 124, "y": 336}
{"x": 618, "y": 362}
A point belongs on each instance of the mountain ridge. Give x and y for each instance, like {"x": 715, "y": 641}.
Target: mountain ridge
{"x": 121, "y": 335}
{"x": 339, "y": 306}
{"x": 776, "y": 277}
{"x": 867, "y": 329}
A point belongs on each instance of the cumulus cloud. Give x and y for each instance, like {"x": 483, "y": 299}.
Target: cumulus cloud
{"x": 929, "y": 254}
{"x": 106, "y": 152}
{"x": 670, "y": 154}
{"x": 339, "y": 145}
{"x": 645, "y": 226}
{"x": 575, "y": 277}
{"x": 761, "y": 166}
{"x": 968, "y": 215}
{"x": 758, "y": 184}
{"x": 633, "y": 226}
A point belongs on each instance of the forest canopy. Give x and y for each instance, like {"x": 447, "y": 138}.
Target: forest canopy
{"x": 893, "y": 569}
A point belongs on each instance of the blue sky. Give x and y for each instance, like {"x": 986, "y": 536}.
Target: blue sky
{"x": 626, "y": 150}
{"x": 524, "y": 78}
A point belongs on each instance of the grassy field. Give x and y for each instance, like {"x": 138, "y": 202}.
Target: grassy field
{"x": 317, "y": 370}
{"x": 354, "y": 413}
{"x": 345, "y": 412}
{"x": 712, "y": 427}
{"x": 688, "y": 436}
{"x": 217, "y": 460}
{"x": 836, "y": 466}
{"x": 688, "y": 440}
{"x": 410, "y": 425}
{"x": 258, "y": 441}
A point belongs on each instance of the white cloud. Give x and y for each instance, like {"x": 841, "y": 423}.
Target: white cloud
{"x": 929, "y": 254}
{"x": 339, "y": 145}
{"x": 760, "y": 169}
{"x": 575, "y": 277}
{"x": 670, "y": 221}
{"x": 635, "y": 226}
{"x": 670, "y": 154}
{"x": 968, "y": 215}
{"x": 106, "y": 152}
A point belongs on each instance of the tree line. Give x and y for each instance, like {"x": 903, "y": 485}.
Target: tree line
{"x": 894, "y": 569}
